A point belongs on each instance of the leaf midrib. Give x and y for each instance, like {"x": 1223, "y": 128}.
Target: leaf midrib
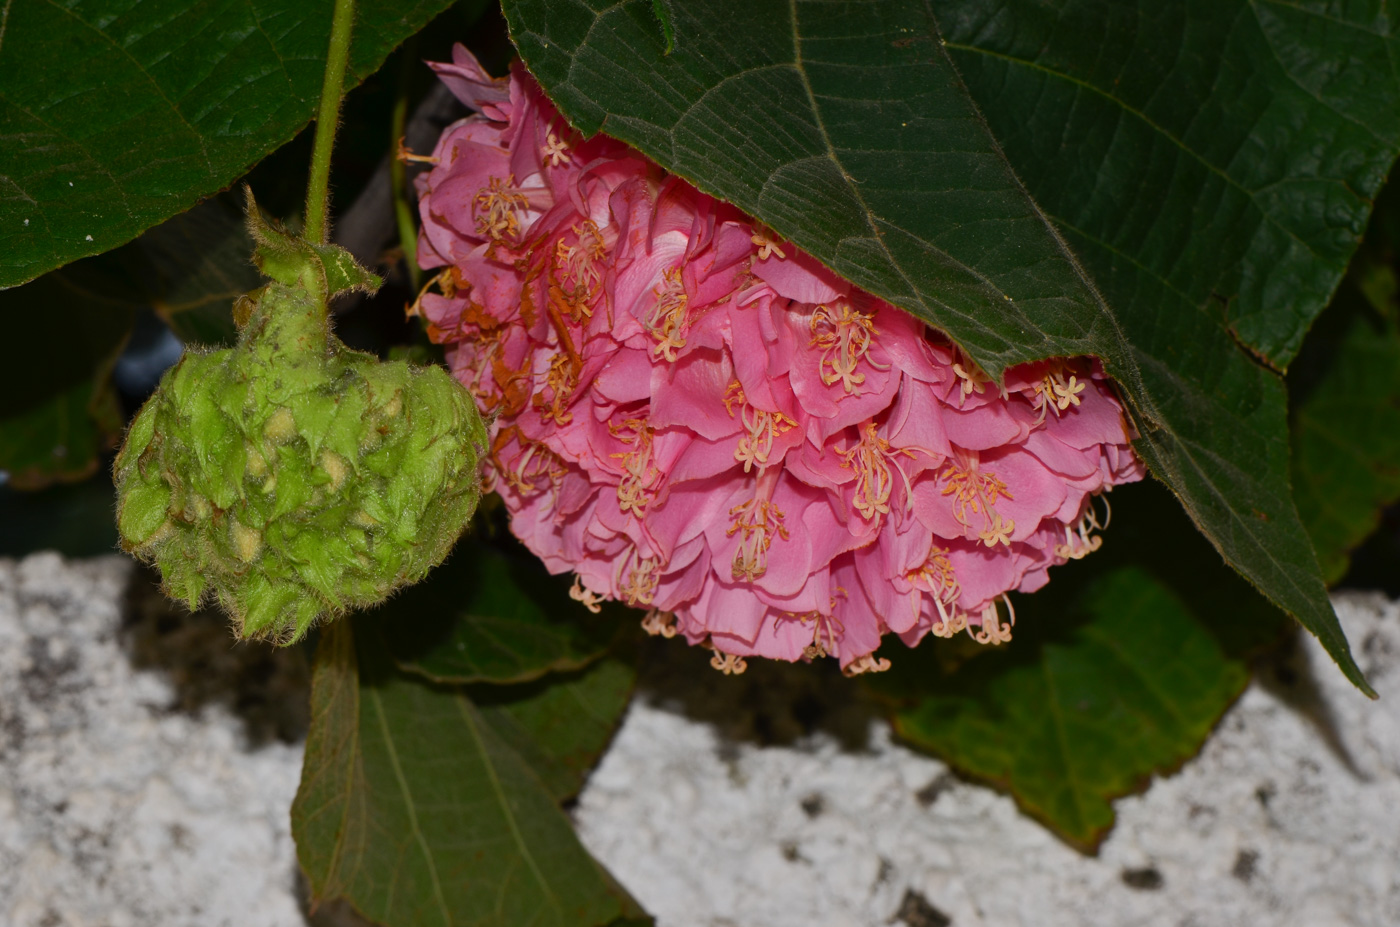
{"x": 410, "y": 807}
{"x": 871, "y": 219}
{"x": 468, "y": 716}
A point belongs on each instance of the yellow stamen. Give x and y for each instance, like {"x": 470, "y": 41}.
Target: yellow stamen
{"x": 993, "y": 631}
{"x": 936, "y": 577}
{"x": 1080, "y": 540}
{"x": 865, "y": 664}
{"x": 767, "y": 244}
{"x": 1055, "y": 393}
{"x": 642, "y": 576}
{"x": 660, "y": 624}
{"x": 972, "y": 379}
{"x": 976, "y": 492}
{"x": 555, "y": 150}
{"x": 872, "y": 459}
{"x": 561, "y": 382}
{"x": 729, "y": 663}
{"x": 998, "y": 532}
{"x": 591, "y": 600}
{"x": 403, "y": 154}
{"x": 763, "y": 428}
{"x": 523, "y": 477}
{"x": 576, "y": 277}
{"x": 496, "y": 209}
{"x": 844, "y": 337}
{"x": 667, "y": 319}
{"x": 759, "y": 521}
{"x": 640, "y": 479}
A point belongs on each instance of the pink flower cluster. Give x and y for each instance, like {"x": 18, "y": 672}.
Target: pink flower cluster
{"x": 698, "y": 419}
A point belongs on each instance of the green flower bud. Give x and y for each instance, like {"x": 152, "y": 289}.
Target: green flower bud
{"x": 290, "y": 476}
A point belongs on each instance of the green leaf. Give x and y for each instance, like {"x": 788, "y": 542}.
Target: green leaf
{"x": 63, "y": 333}
{"x": 1174, "y": 188}
{"x": 1118, "y": 670}
{"x": 414, "y": 809}
{"x": 117, "y": 114}
{"x": 559, "y": 725}
{"x": 488, "y": 615}
{"x": 74, "y": 519}
{"x": 1346, "y": 435}
{"x": 200, "y": 262}
{"x": 1081, "y": 718}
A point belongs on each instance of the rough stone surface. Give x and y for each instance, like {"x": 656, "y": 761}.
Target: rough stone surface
{"x": 118, "y": 807}
{"x": 136, "y": 790}
{"x": 1290, "y": 816}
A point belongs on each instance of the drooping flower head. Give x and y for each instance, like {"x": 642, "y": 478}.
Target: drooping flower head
{"x": 698, "y": 419}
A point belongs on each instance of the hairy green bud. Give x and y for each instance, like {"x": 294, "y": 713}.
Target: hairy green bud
{"x": 290, "y": 476}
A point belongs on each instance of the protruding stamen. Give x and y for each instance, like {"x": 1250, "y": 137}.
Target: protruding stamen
{"x": 844, "y": 337}
{"x": 763, "y": 428}
{"x": 1056, "y": 393}
{"x": 935, "y": 576}
{"x": 728, "y": 663}
{"x": 640, "y": 478}
{"x": 970, "y": 376}
{"x": 642, "y": 574}
{"x": 758, "y": 521}
{"x": 591, "y": 600}
{"x": 555, "y": 151}
{"x": 993, "y": 631}
{"x": 561, "y": 382}
{"x": 998, "y": 532}
{"x": 403, "y": 154}
{"x": 827, "y": 630}
{"x": 496, "y": 207}
{"x": 874, "y": 461}
{"x": 950, "y": 625}
{"x": 666, "y": 321}
{"x": 975, "y": 493}
{"x": 576, "y": 276}
{"x": 1080, "y": 540}
{"x": 867, "y": 663}
{"x": 767, "y": 244}
{"x": 534, "y": 462}
{"x": 660, "y": 624}
{"x": 446, "y": 282}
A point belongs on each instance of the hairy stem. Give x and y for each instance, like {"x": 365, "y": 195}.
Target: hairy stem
{"x": 317, "y": 195}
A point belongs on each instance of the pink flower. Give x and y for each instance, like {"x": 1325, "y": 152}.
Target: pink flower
{"x": 700, "y": 420}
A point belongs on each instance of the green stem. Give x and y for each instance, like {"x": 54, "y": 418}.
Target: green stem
{"x": 403, "y": 215}
{"x": 317, "y": 191}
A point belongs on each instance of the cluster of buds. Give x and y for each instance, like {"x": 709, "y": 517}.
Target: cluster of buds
{"x": 696, "y": 418}
{"x": 290, "y": 477}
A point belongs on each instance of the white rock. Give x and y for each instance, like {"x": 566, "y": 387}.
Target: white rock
{"x": 1267, "y": 826}
{"x": 113, "y": 811}
{"x": 117, "y": 812}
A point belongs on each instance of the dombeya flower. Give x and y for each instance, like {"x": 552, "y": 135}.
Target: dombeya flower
{"x": 698, "y": 419}
{"x": 291, "y": 477}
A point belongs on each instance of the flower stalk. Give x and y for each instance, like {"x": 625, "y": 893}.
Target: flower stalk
{"x": 317, "y": 190}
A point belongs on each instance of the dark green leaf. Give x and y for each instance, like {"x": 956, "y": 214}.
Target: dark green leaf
{"x": 493, "y": 616}
{"x": 414, "y": 809}
{"x": 1082, "y": 718}
{"x": 1346, "y": 436}
{"x": 117, "y": 114}
{"x": 560, "y": 724}
{"x": 63, "y": 333}
{"x": 1174, "y": 188}
{"x": 73, "y": 519}
{"x": 1117, "y": 671}
{"x": 56, "y": 441}
{"x": 201, "y": 261}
